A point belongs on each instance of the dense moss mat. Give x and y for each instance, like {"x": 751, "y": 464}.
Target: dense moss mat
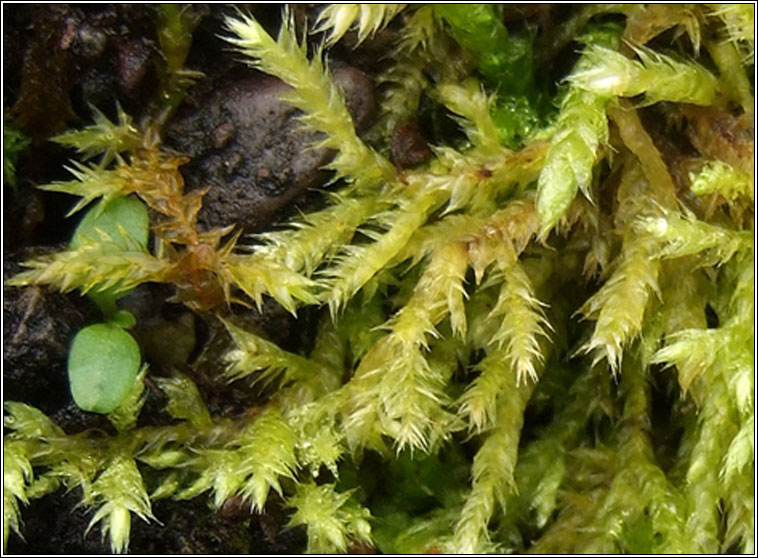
{"x": 530, "y": 284}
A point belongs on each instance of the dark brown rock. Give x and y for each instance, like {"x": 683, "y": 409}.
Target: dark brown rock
{"x": 249, "y": 149}
{"x": 408, "y": 146}
{"x": 38, "y": 327}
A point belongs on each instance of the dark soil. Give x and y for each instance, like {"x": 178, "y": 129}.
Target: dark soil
{"x": 54, "y": 525}
{"x": 38, "y": 327}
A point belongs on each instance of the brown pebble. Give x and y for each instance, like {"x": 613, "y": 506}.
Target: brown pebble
{"x": 132, "y": 64}
{"x": 222, "y": 134}
{"x": 250, "y": 149}
{"x": 408, "y": 146}
{"x": 231, "y": 162}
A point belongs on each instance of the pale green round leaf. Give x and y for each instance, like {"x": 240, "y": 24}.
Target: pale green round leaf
{"x": 102, "y": 366}
{"x": 123, "y": 222}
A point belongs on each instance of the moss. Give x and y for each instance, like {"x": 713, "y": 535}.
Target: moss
{"x": 14, "y": 143}
{"x": 449, "y": 300}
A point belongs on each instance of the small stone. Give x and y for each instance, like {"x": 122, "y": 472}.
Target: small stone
{"x": 408, "y": 146}
{"x": 250, "y": 149}
{"x": 38, "y": 328}
{"x": 132, "y": 64}
{"x": 222, "y": 135}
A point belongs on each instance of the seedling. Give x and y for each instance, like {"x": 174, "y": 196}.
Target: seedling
{"x": 102, "y": 366}
{"x": 104, "y": 358}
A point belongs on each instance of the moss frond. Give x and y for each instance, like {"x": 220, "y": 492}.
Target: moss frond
{"x": 254, "y": 354}
{"x": 250, "y": 466}
{"x": 359, "y": 263}
{"x": 693, "y": 351}
{"x": 366, "y": 19}
{"x": 471, "y": 102}
{"x": 405, "y": 418}
{"x": 411, "y": 412}
{"x": 314, "y": 93}
{"x": 184, "y": 400}
{"x": 256, "y": 276}
{"x": 32, "y": 439}
{"x": 717, "y": 176}
{"x": 92, "y": 182}
{"x": 103, "y": 137}
{"x": 659, "y": 77}
{"x": 739, "y": 20}
{"x": 318, "y": 236}
{"x": 27, "y": 422}
{"x": 438, "y": 293}
{"x": 511, "y": 332}
{"x": 683, "y": 235}
{"x": 522, "y": 322}
{"x": 581, "y": 129}
{"x": 94, "y": 267}
{"x": 118, "y": 492}
{"x": 17, "y": 474}
{"x": 405, "y": 393}
{"x": 619, "y": 306}
{"x": 332, "y": 518}
{"x": 478, "y": 404}
{"x": 492, "y": 471}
